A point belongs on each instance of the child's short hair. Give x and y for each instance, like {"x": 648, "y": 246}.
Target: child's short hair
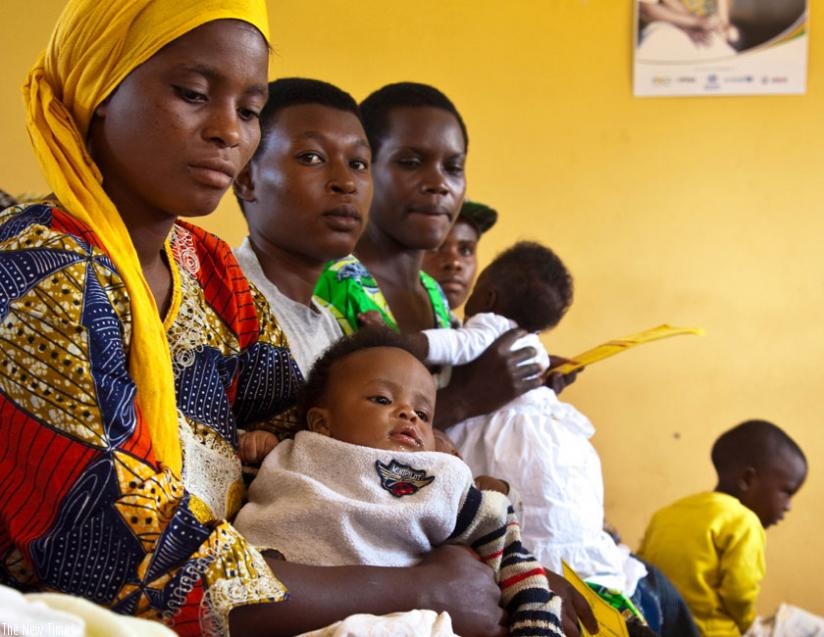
{"x": 752, "y": 443}
{"x": 365, "y": 338}
{"x": 533, "y": 286}
{"x": 377, "y": 105}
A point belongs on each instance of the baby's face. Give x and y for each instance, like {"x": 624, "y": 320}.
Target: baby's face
{"x": 379, "y": 397}
{"x": 482, "y": 297}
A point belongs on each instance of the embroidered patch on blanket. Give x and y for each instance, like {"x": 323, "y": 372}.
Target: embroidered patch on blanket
{"x": 401, "y": 479}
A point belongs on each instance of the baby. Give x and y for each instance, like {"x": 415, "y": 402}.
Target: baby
{"x": 364, "y": 484}
{"x": 539, "y": 444}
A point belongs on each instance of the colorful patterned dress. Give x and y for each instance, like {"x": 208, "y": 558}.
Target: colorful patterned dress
{"x": 348, "y": 286}
{"x": 84, "y": 506}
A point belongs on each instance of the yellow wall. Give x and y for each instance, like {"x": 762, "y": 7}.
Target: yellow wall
{"x": 697, "y": 211}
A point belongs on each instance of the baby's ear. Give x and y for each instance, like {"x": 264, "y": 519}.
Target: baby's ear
{"x": 316, "y": 419}
{"x": 490, "y": 299}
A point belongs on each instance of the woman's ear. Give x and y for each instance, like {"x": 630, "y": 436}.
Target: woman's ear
{"x": 316, "y": 420}
{"x": 244, "y": 184}
{"x": 102, "y": 108}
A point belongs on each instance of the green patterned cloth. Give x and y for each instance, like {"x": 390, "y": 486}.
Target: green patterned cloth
{"x": 349, "y": 287}
{"x": 619, "y": 601}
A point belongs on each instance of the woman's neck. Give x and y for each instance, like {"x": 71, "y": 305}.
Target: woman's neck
{"x": 149, "y": 240}
{"x": 397, "y": 271}
{"x": 294, "y": 275}
{"x": 389, "y": 261}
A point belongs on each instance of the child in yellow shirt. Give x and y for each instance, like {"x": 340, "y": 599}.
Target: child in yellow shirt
{"x": 711, "y": 545}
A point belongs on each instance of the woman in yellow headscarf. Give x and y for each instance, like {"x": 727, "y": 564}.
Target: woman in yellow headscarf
{"x": 131, "y": 341}
{"x": 134, "y": 348}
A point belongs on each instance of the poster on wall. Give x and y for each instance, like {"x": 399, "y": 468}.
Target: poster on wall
{"x": 720, "y": 47}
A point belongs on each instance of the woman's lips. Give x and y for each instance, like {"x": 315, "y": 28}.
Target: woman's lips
{"x": 213, "y": 175}
{"x": 452, "y": 285}
{"x": 343, "y": 219}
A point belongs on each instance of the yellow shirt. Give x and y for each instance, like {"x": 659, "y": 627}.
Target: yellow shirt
{"x": 712, "y": 549}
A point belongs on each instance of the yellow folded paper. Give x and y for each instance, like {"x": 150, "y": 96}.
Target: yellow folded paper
{"x": 610, "y": 621}
{"x": 618, "y": 345}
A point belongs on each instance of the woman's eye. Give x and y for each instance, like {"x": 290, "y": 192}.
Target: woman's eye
{"x": 454, "y": 169}
{"x": 409, "y": 162}
{"x": 466, "y": 251}
{"x": 248, "y": 114}
{"x": 360, "y": 165}
{"x": 311, "y": 159}
{"x": 189, "y": 95}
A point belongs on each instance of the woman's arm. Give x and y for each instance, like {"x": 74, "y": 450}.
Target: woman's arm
{"x": 93, "y": 513}
{"x": 449, "y": 579}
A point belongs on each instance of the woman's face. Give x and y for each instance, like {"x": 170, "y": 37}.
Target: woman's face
{"x": 418, "y": 176}
{"x": 175, "y": 133}
{"x": 454, "y": 263}
{"x": 309, "y": 187}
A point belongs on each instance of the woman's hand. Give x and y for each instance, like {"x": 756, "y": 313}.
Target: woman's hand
{"x": 489, "y": 382}
{"x": 574, "y": 608}
{"x": 459, "y": 583}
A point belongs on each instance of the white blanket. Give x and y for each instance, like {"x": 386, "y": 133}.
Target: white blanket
{"x": 415, "y": 623}
{"x": 59, "y": 614}
{"x": 314, "y": 478}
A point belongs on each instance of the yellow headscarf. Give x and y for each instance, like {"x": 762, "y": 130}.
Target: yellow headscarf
{"x": 94, "y": 46}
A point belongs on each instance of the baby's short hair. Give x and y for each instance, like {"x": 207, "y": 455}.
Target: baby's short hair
{"x": 295, "y": 91}
{"x": 533, "y": 286}
{"x": 752, "y": 443}
{"x": 376, "y": 107}
{"x": 366, "y": 338}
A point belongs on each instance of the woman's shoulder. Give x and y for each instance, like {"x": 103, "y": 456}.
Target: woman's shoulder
{"x": 43, "y": 224}
{"x": 440, "y": 304}
{"x": 206, "y": 245}
{"x": 348, "y": 270}
{"x": 351, "y": 289}
{"x": 209, "y": 261}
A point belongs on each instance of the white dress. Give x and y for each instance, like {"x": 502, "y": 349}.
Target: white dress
{"x": 540, "y": 445}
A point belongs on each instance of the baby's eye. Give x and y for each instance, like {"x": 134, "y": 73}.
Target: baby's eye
{"x": 381, "y": 400}
{"x": 422, "y": 415}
